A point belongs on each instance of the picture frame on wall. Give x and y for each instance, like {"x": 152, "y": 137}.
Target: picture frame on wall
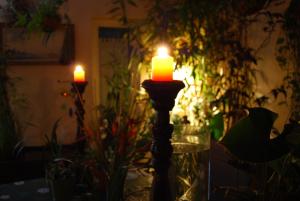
{"x": 21, "y": 47}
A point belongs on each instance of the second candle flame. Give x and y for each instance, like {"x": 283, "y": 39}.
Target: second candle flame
{"x": 79, "y": 74}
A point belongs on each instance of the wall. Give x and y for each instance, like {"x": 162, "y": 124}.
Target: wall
{"x": 268, "y": 73}
{"x": 40, "y": 84}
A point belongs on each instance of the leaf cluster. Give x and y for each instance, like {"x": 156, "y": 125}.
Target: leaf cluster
{"x": 122, "y": 134}
{"x": 207, "y": 36}
{"x": 34, "y": 16}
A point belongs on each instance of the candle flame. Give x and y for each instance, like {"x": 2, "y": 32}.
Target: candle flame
{"x": 162, "y": 52}
{"x": 78, "y": 68}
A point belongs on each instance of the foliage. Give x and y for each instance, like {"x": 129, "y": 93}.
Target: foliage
{"x": 288, "y": 54}
{"x": 285, "y": 179}
{"x": 8, "y": 132}
{"x": 59, "y": 167}
{"x": 52, "y": 142}
{"x": 34, "y": 16}
{"x": 217, "y": 126}
{"x": 209, "y": 38}
{"x": 121, "y": 137}
{"x": 120, "y": 9}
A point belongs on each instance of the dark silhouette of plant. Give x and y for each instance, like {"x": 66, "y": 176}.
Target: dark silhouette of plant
{"x": 8, "y": 133}
{"x": 288, "y": 54}
{"x": 40, "y": 15}
{"x": 210, "y": 37}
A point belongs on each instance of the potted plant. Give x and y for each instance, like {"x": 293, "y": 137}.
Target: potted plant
{"x": 34, "y": 16}
{"x": 122, "y": 131}
{"x": 60, "y": 175}
{"x": 60, "y": 171}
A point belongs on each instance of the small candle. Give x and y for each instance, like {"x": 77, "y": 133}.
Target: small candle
{"x": 79, "y": 74}
{"x": 162, "y": 66}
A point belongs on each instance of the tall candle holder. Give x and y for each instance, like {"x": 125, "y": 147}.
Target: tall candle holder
{"x": 162, "y": 94}
{"x": 78, "y": 89}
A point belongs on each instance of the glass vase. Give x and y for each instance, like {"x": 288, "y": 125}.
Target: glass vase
{"x": 189, "y": 172}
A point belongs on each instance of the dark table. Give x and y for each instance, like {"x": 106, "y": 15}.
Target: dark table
{"x": 29, "y": 190}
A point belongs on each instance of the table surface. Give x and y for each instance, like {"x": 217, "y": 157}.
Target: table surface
{"x": 29, "y": 190}
{"x": 138, "y": 189}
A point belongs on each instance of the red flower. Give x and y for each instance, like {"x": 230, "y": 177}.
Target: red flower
{"x": 114, "y": 128}
{"x": 132, "y": 130}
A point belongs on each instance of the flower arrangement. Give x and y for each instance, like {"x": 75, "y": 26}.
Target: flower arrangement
{"x": 121, "y": 137}
{"x": 60, "y": 171}
{"x": 59, "y": 167}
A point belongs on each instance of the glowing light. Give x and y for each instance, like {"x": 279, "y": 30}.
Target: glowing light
{"x": 188, "y": 98}
{"x": 79, "y": 74}
{"x": 162, "y": 66}
{"x": 193, "y": 139}
{"x": 221, "y": 71}
{"x": 163, "y": 52}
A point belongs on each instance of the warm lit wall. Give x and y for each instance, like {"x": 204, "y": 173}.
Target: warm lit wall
{"x": 41, "y": 89}
{"x": 269, "y": 75}
{"x": 39, "y": 82}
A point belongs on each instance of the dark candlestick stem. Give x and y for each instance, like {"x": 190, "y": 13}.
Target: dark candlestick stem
{"x": 163, "y": 96}
{"x": 78, "y": 89}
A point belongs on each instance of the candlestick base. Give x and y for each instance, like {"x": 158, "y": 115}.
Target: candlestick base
{"x": 162, "y": 94}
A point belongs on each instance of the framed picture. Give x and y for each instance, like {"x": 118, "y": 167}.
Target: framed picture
{"x": 21, "y": 47}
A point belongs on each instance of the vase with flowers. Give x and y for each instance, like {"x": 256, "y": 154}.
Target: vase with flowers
{"x": 121, "y": 136}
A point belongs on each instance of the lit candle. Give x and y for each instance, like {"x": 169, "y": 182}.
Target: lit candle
{"x": 79, "y": 74}
{"x": 162, "y": 66}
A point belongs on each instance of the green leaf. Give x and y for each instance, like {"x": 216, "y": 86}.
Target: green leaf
{"x": 21, "y": 20}
{"x": 217, "y": 126}
{"x": 249, "y": 139}
{"x": 54, "y": 131}
{"x": 52, "y": 141}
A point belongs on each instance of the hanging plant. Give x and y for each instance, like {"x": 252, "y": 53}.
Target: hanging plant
{"x": 41, "y": 16}
{"x": 209, "y": 37}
